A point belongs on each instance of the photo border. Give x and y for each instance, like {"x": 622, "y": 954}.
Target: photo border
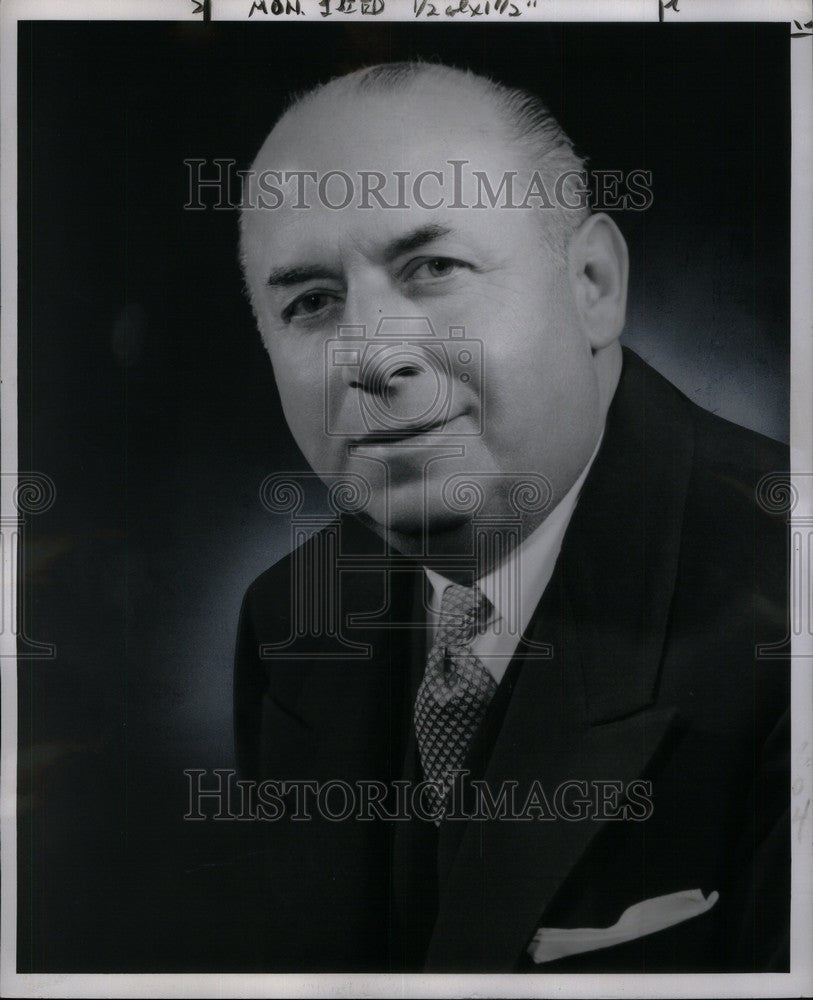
{"x": 797, "y": 14}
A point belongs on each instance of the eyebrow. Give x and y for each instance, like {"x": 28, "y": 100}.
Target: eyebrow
{"x": 298, "y": 274}
{"x": 415, "y": 239}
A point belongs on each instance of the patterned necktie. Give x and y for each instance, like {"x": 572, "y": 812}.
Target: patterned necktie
{"x": 455, "y": 691}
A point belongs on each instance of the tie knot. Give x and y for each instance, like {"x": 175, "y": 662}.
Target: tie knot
{"x": 463, "y": 612}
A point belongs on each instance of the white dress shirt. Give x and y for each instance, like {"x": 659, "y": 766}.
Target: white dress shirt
{"x": 525, "y": 573}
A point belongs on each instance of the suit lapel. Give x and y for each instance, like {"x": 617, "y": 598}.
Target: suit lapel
{"x": 350, "y": 710}
{"x": 620, "y": 555}
{"x": 329, "y": 720}
{"x": 590, "y": 713}
{"x": 506, "y": 873}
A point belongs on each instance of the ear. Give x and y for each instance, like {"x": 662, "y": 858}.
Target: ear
{"x": 598, "y": 265}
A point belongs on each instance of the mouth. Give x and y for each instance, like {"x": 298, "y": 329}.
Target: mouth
{"x": 379, "y": 438}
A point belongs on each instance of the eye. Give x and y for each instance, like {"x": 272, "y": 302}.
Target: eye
{"x": 439, "y": 267}
{"x": 435, "y": 267}
{"x": 308, "y": 305}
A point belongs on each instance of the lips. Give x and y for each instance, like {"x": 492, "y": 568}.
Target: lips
{"x": 377, "y": 438}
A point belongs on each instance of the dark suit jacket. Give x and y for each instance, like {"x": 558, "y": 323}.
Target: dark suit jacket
{"x": 669, "y": 575}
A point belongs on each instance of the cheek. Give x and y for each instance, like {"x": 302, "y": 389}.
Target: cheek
{"x": 520, "y": 352}
{"x": 303, "y": 411}
{"x": 299, "y": 375}
{"x": 538, "y": 377}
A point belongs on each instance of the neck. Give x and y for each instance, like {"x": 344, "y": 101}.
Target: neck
{"x": 608, "y": 362}
{"x": 465, "y": 553}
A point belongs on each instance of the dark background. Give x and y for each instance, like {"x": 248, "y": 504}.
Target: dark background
{"x": 146, "y": 395}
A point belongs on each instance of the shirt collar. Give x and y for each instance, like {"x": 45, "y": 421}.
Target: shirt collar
{"x": 527, "y": 570}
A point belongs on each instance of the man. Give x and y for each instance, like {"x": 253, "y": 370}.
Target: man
{"x": 554, "y": 583}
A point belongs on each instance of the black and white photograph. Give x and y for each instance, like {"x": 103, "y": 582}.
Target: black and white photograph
{"x": 407, "y": 498}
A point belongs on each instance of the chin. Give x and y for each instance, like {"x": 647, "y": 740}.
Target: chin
{"x": 408, "y": 533}
{"x": 413, "y": 523}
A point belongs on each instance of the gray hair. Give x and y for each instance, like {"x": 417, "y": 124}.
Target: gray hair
{"x": 543, "y": 143}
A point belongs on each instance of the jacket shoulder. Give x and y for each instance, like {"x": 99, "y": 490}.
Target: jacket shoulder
{"x": 269, "y": 597}
{"x": 727, "y": 445}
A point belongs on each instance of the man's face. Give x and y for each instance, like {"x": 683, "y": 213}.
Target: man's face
{"x": 412, "y": 419}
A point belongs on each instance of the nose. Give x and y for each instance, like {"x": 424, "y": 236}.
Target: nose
{"x": 401, "y": 384}
{"x": 392, "y": 344}
{"x": 375, "y": 377}
{"x": 379, "y": 317}
{"x": 397, "y": 377}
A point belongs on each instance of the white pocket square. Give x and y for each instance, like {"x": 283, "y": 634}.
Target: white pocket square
{"x": 643, "y": 918}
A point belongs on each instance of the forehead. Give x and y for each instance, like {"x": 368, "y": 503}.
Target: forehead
{"x": 387, "y": 140}
{"x": 424, "y": 121}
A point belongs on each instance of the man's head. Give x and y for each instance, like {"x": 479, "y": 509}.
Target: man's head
{"x": 538, "y": 292}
